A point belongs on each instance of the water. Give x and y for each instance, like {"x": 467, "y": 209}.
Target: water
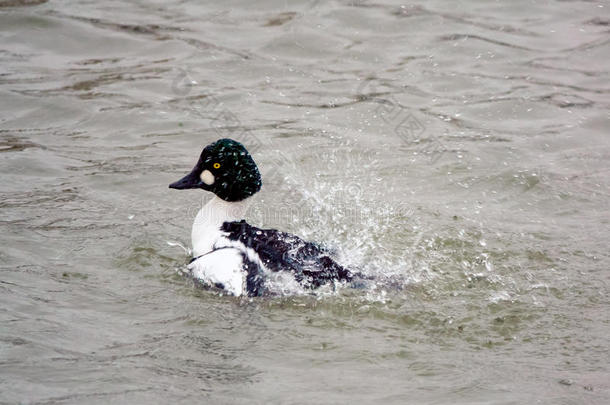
{"x": 456, "y": 150}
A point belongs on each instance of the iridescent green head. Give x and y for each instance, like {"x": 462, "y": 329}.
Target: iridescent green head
{"x": 226, "y": 169}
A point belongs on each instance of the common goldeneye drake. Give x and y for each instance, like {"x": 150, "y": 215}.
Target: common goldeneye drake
{"x": 231, "y": 254}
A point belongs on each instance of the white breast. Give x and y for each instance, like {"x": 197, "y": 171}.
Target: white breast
{"x": 222, "y": 266}
{"x": 206, "y": 227}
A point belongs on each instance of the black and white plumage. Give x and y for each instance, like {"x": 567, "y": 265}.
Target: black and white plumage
{"x": 235, "y": 256}
{"x": 310, "y": 264}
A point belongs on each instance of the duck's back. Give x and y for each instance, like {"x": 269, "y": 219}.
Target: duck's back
{"x": 310, "y": 263}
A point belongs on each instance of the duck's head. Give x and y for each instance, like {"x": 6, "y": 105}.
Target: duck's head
{"x": 226, "y": 169}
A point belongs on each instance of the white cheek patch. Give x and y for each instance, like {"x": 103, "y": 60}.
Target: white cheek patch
{"x": 207, "y": 177}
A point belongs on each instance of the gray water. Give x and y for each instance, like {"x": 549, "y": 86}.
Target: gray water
{"x": 456, "y": 151}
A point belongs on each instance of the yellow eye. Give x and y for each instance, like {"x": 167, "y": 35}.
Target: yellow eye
{"x": 216, "y": 165}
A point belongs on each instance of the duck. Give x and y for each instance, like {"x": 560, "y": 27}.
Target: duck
{"x": 234, "y": 256}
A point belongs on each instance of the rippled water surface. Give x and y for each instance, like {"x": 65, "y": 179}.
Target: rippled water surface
{"x": 456, "y": 151}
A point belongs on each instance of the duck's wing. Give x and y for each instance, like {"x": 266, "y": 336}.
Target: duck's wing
{"x": 310, "y": 263}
